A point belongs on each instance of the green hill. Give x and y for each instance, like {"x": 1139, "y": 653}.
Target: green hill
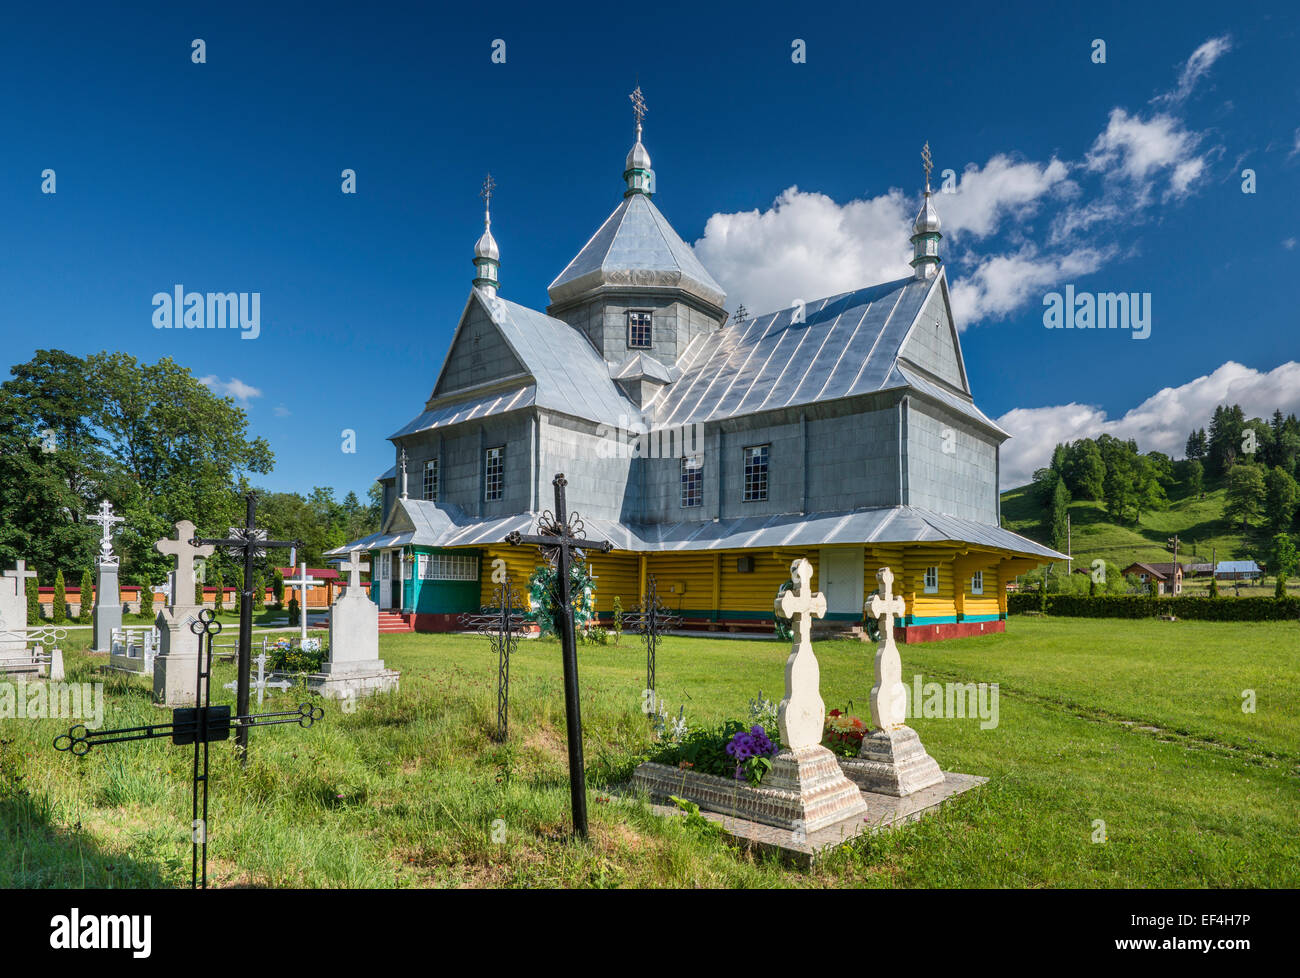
{"x": 1198, "y": 522}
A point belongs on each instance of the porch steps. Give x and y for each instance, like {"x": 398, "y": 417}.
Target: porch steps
{"x": 393, "y": 621}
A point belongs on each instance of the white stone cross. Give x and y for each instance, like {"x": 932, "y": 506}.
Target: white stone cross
{"x": 353, "y": 566}
{"x": 184, "y": 552}
{"x": 19, "y": 572}
{"x": 106, "y": 519}
{"x": 302, "y": 582}
{"x": 888, "y": 695}
{"x": 802, "y": 713}
{"x": 885, "y": 604}
{"x": 262, "y": 684}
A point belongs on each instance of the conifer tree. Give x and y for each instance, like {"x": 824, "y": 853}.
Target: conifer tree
{"x": 60, "y": 610}
{"x": 87, "y": 598}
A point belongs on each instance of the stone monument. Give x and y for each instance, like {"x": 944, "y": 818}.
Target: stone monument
{"x": 818, "y": 792}
{"x": 108, "y": 600}
{"x": 175, "y": 669}
{"x": 892, "y": 760}
{"x": 13, "y": 608}
{"x": 353, "y": 668}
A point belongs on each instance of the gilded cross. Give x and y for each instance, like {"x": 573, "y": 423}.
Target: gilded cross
{"x": 885, "y": 604}
{"x": 800, "y": 604}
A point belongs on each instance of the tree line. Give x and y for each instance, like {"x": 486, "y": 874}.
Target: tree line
{"x": 158, "y": 445}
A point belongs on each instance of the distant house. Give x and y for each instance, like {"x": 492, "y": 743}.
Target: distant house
{"x": 1199, "y": 570}
{"x": 1238, "y": 570}
{"x": 1168, "y": 577}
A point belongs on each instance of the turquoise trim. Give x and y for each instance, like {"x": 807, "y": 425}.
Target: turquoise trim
{"x": 931, "y": 620}
{"x": 982, "y": 618}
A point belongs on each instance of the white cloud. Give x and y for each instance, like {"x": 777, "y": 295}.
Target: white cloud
{"x": 233, "y": 388}
{"x": 1196, "y": 67}
{"x": 1000, "y": 284}
{"x": 807, "y": 246}
{"x": 1288, "y": 244}
{"x": 1160, "y": 423}
{"x": 281, "y": 411}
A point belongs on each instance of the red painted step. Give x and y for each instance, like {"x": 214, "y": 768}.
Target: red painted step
{"x": 395, "y": 622}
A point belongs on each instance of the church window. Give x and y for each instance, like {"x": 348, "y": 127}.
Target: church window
{"x": 932, "y": 580}
{"x": 638, "y": 331}
{"x": 692, "y": 481}
{"x": 494, "y": 465}
{"x": 448, "y": 567}
{"x": 756, "y": 473}
{"x": 977, "y": 582}
{"x": 431, "y": 480}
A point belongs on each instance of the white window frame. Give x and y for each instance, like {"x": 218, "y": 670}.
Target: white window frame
{"x": 431, "y": 492}
{"x": 449, "y": 567}
{"x": 692, "y": 463}
{"x": 650, "y": 342}
{"x": 977, "y": 582}
{"x": 750, "y": 492}
{"x": 932, "y": 579}
{"x": 488, "y": 496}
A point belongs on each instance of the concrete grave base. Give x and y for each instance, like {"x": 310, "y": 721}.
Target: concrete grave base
{"x": 882, "y": 812}
{"x": 892, "y": 762}
{"x": 360, "y": 679}
{"x": 803, "y": 793}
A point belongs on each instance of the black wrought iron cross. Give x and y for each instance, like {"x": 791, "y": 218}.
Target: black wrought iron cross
{"x": 502, "y": 625}
{"x": 199, "y": 725}
{"x": 247, "y": 542}
{"x": 561, "y": 539}
{"x": 652, "y": 621}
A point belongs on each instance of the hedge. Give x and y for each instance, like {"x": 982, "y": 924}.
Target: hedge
{"x": 1147, "y": 606}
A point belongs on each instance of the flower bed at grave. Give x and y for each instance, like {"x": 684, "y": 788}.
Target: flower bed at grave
{"x": 284, "y": 656}
{"x": 843, "y": 733}
{"x": 729, "y": 750}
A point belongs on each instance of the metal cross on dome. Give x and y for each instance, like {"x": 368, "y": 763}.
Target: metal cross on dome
{"x": 489, "y": 185}
{"x": 561, "y": 539}
{"x": 638, "y": 106}
{"x": 199, "y": 725}
{"x": 249, "y": 542}
{"x": 651, "y": 621}
{"x": 502, "y": 625}
{"x": 927, "y": 163}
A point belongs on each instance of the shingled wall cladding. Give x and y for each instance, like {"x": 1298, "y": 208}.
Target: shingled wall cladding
{"x": 961, "y": 482}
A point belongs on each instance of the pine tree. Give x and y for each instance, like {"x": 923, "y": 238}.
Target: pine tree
{"x": 259, "y": 593}
{"x": 220, "y": 584}
{"x": 60, "y": 615}
{"x": 33, "y": 601}
{"x": 277, "y": 588}
{"x": 87, "y": 598}
{"x": 1060, "y": 509}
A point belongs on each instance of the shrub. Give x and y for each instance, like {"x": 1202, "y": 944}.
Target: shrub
{"x": 284, "y": 657}
{"x": 146, "y": 597}
{"x": 294, "y": 611}
{"x": 60, "y": 610}
{"x": 1149, "y": 606}
{"x": 86, "y": 611}
{"x": 259, "y": 593}
{"x": 219, "y": 583}
{"x": 618, "y": 618}
{"x": 706, "y": 750}
{"x": 277, "y": 588}
{"x": 33, "y": 601}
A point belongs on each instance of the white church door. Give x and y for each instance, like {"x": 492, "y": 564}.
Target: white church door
{"x": 840, "y": 578}
{"x": 385, "y": 579}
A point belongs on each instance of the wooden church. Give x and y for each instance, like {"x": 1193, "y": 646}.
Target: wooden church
{"x": 710, "y": 449}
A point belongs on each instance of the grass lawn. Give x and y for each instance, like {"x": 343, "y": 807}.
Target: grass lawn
{"x": 1136, "y": 724}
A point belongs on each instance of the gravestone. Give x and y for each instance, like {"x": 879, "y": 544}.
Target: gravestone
{"x": 353, "y": 667}
{"x": 175, "y": 669}
{"x": 13, "y": 609}
{"x": 302, "y": 582}
{"x": 108, "y": 602}
{"x": 892, "y": 760}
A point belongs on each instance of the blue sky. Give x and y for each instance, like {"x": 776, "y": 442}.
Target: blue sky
{"x": 792, "y": 180}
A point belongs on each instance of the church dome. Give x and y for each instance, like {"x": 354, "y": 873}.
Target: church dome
{"x": 927, "y": 221}
{"x": 636, "y": 247}
{"x": 637, "y": 157}
{"x": 487, "y": 246}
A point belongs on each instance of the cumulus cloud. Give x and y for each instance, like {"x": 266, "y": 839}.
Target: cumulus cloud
{"x": 233, "y": 388}
{"x": 806, "y": 245}
{"x": 1161, "y": 423}
{"x": 1196, "y": 67}
{"x": 999, "y": 284}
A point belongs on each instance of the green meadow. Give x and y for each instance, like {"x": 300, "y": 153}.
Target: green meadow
{"x": 1122, "y": 757}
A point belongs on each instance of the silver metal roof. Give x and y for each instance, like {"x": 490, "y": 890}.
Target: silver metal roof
{"x": 569, "y": 376}
{"x": 422, "y": 523}
{"x": 847, "y": 345}
{"x": 636, "y": 246}
{"x": 639, "y": 366}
